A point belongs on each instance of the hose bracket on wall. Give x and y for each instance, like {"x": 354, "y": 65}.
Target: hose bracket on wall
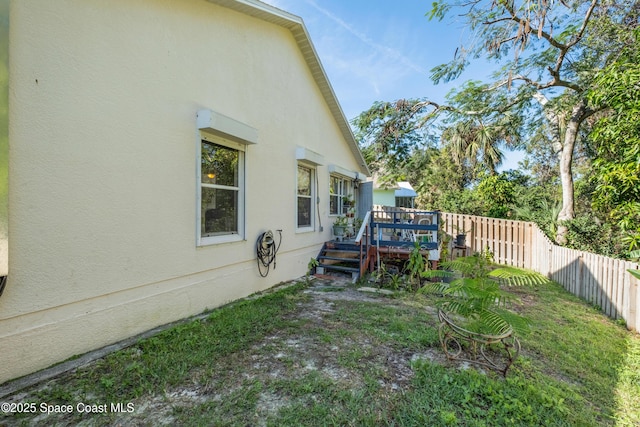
{"x": 266, "y": 250}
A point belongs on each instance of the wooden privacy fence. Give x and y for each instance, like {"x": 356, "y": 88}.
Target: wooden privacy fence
{"x": 599, "y": 280}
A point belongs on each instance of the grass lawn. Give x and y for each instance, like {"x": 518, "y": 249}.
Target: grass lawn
{"x": 325, "y": 354}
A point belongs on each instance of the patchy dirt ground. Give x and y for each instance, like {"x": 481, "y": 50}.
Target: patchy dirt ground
{"x": 284, "y": 356}
{"x": 278, "y": 357}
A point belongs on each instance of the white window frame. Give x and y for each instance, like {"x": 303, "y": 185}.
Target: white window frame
{"x": 345, "y": 185}
{"x": 241, "y": 217}
{"x": 349, "y": 181}
{"x": 312, "y": 197}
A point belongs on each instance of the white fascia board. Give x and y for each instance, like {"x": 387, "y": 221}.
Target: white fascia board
{"x": 219, "y": 124}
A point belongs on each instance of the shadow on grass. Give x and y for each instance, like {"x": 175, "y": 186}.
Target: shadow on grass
{"x": 584, "y": 350}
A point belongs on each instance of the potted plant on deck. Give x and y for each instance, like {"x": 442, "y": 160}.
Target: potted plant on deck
{"x": 461, "y": 237}
{"x": 348, "y": 201}
{"x": 340, "y": 226}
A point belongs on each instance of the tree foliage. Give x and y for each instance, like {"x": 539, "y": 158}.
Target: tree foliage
{"x": 389, "y": 132}
{"x": 549, "y": 52}
{"x": 498, "y": 194}
{"x": 617, "y": 138}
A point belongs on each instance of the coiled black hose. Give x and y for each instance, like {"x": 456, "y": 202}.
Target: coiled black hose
{"x": 266, "y": 251}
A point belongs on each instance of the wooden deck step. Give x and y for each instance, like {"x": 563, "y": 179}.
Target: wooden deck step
{"x": 339, "y": 259}
{"x": 355, "y": 271}
{"x": 340, "y": 256}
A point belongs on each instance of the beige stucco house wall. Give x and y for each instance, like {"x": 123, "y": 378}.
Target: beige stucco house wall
{"x": 108, "y": 104}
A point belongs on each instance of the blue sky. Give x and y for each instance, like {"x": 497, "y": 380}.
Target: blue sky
{"x": 379, "y": 50}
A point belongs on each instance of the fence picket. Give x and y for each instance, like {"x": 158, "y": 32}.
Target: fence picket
{"x": 589, "y": 279}
{"x": 611, "y": 270}
{"x": 608, "y": 285}
{"x": 564, "y": 262}
{"x": 520, "y": 243}
{"x": 561, "y": 271}
{"x": 631, "y": 304}
{"x": 622, "y": 271}
{"x": 634, "y": 299}
{"x": 599, "y": 282}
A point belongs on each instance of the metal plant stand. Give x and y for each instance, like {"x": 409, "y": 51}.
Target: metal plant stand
{"x": 497, "y": 352}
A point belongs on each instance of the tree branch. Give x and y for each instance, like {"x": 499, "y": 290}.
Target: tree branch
{"x": 587, "y": 18}
{"x": 522, "y": 21}
{"x": 563, "y": 48}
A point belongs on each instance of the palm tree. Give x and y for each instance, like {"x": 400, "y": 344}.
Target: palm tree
{"x": 475, "y": 142}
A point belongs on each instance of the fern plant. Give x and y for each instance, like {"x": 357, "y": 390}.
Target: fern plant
{"x": 475, "y": 292}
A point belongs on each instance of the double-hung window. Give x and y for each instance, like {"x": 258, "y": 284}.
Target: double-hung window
{"x": 338, "y": 189}
{"x": 305, "y": 193}
{"x": 221, "y": 191}
{"x": 221, "y": 177}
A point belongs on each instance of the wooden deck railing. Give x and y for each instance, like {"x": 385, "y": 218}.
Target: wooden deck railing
{"x": 597, "y": 279}
{"x": 362, "y": 240}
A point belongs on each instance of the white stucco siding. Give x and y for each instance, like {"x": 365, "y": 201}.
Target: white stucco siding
{"x": 103, "y": 162}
